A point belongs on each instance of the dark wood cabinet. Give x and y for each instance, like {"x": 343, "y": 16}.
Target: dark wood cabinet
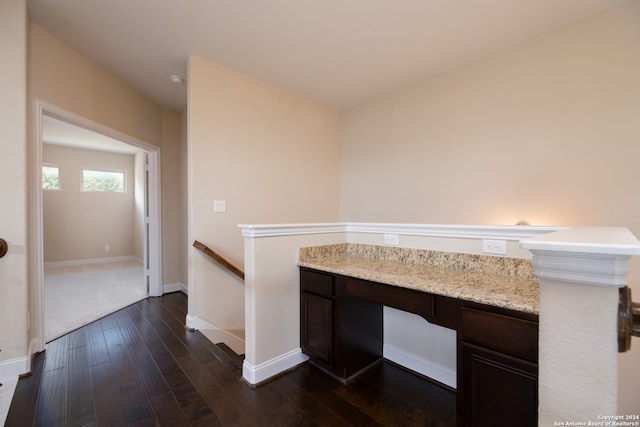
{"x": 316, "y": 331}
{"x": 316, "y": 316}
{"x": 497, "y": 368}
{"x": 342, "y": 332}
{"x": 498, "y": 390}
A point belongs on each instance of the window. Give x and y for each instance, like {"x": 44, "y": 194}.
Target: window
{"x": 103, "y": 181}
{"x": 50, "y": 177}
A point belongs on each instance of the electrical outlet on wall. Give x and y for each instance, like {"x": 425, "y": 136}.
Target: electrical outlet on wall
{"x": 494, "y": 246}
{"x": 391, "y": 239}
{"x": 107, "y": 248}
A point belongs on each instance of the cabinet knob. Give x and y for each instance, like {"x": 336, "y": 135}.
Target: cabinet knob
{"x": 4, "y": 247}
{"x": 628, "y": 319}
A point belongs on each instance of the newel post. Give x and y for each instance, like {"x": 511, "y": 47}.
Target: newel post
{"x": 580, "y": 271}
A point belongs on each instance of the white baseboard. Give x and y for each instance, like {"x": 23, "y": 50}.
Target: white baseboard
{"x": 420, "y": 365}
{"x": 15, "y": 367}
{"x": 10, "y": 371}
{"x": 264, "y": 371}
{"x": 175, "y": 287}
{"x": 105, "y": 260}
{"x": 216, "y": 334}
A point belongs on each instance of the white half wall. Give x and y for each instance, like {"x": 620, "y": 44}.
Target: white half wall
{"x": 272, "y": 301}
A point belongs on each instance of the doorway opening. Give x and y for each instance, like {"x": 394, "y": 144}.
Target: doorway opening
{"x": 99, "y": 228}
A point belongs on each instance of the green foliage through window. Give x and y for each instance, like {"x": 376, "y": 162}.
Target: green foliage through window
{"x": 50, "y": 178}
{"x": 102, "y": 181}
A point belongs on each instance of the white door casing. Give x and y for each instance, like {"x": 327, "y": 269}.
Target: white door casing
{"x": 153, "y": 225}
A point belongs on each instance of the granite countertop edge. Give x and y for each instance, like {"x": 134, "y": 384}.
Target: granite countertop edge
{"x": 519, "y": 294}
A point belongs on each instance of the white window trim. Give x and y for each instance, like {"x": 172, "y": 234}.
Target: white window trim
{"x": 124, "y": 180}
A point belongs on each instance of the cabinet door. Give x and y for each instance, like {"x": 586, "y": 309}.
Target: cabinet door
{"x": 316, "y": 323}
{"x": 497, "y": 390}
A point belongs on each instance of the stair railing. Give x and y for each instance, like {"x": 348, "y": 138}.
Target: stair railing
{"x": 217, "y": 258}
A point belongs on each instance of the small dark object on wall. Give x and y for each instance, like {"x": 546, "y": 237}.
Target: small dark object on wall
{"x": 4, "y": 247}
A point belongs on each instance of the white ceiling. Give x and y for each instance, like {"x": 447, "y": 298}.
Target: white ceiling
{"x": 57, "y": 132}
{"x": 338, "y": 52}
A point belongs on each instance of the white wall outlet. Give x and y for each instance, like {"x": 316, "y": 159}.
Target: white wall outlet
{"x": 107, "y": 248}
{"x": 494, "y": 246}
{"x": 219, "y": 206}
{"x": 391, "y": 239}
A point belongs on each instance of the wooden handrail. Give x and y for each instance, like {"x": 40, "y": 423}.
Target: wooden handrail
{"x": 628, "y": 319}
{"x": 217, "y": 258}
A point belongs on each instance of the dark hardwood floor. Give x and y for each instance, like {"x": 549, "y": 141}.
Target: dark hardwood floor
{"x": 139, "y": 366}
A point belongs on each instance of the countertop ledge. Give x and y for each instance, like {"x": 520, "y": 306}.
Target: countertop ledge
{"x": 498, "y": 281}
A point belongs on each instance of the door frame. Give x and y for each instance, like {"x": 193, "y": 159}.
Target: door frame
{"x": 154, "y": 220}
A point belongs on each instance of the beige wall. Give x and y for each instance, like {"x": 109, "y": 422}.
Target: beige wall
{"x": 544, "y": 131}
{"x": 13, "y": 180}
{"x": 272, "y": 155}
{"x": 63, "y": 77}
{"x": 78, "y": 224}
{"x": 174, "y": 201}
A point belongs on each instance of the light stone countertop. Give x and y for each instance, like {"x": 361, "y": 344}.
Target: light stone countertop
{"x": 457, "y": 279}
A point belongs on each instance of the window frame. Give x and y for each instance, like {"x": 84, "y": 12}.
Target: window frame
{"x": 51, "y": 165}
{"x": 104, "y": 170}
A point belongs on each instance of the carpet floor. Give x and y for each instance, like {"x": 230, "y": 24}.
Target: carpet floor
{"x": 80, "y": 294}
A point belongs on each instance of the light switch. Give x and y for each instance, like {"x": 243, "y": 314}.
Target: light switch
{"x": 219, "y": 206}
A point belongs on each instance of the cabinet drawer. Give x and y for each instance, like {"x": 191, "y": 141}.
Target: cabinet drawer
{"x": 506, "y": 334}
{"x": 420, "y": 303}
{"x": 316, "y": 283}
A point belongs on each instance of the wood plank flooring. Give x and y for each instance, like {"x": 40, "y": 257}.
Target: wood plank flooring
{"x": 140, "y": 367}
